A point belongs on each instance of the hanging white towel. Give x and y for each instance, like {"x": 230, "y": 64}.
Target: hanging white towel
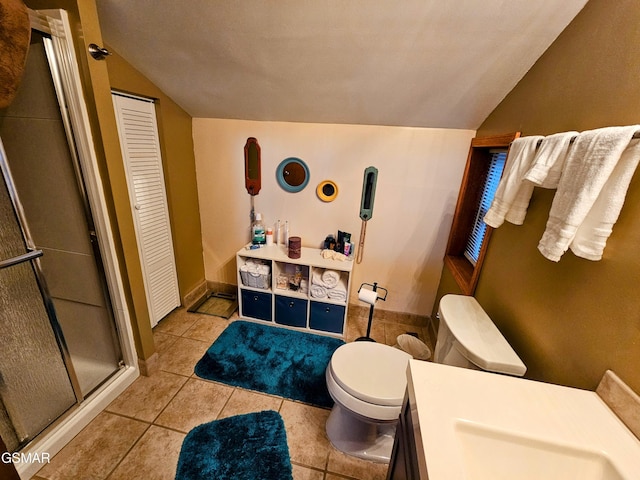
{"x": 549, "y": 160}
{"x": 513, "y": 194}
{"x": 591, "y": 161}
{"x": 592, "y": 235}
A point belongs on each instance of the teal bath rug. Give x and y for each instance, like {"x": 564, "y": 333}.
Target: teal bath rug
{"x": 273, "y": 360}
{"x": 243, "y": 447}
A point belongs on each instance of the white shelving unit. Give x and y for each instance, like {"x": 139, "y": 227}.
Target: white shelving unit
{"x": 285, "y": 301}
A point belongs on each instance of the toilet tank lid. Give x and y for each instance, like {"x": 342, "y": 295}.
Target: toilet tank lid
{"x": 478, "y": 339}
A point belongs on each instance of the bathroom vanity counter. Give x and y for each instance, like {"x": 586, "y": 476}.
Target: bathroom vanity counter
{"x": 475, "y": 425}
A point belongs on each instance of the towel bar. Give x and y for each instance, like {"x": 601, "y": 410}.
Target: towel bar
{"x": 635, "y": 136}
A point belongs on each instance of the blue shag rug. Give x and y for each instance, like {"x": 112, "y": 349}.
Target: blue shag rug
{"x": 273, "y": 360}
{"x": 243, "y": 447}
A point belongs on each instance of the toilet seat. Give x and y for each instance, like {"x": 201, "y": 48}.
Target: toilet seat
{"x": 369, "y": 379}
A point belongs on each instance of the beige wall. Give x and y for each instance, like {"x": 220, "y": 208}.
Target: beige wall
{"x": 572, "y": 320}
{"x": 419, "y": 175}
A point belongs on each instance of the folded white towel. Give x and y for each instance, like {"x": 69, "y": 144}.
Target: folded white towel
{"x": 549, "y": 160}
{"x": 318, "y": 291}
{"x": 338, "y": 296}
{"x": 330, "y": 278}
{"x": 316, "y": 278}
{"x": 590, "y": 163}
{"x": 513, "y": 194}
{"x": 592, "y": 235}
{"x": 339, "y": 292}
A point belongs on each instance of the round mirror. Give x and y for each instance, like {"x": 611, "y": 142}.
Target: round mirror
{"x": 327, "y": 191}
{"x": 292, "y": 174}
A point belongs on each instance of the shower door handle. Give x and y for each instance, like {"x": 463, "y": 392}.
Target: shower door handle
{"x": 25, "y": 257}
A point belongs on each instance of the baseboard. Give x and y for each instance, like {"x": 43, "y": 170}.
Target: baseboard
{"x": 194, "y": 295}
{"x": 220, "y": 287}
{"x": 393, "y": 322}
{"x": 391, "y": 316}
{"x": 149, "y": 366}
{"x": 621, "y": 399}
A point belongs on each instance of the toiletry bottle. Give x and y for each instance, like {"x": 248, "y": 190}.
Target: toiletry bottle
{"x": 269, "y": 236}
{"x": 258, "y": 232}
{"x": 285, "y": 237}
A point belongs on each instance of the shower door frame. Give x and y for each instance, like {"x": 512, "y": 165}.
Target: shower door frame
{"x": 66, "y": 77}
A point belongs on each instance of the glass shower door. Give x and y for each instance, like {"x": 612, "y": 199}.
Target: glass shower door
{"x": 48, "y": 178}
{"x": 35, "y": 387}
{"x": 59, "y": 340}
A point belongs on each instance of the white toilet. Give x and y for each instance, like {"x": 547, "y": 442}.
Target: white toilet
{"x": 367, "y": 380}
{"x": 468, "y": 338}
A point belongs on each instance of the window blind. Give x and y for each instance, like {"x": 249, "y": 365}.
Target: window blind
{"x": 479, "y": 228}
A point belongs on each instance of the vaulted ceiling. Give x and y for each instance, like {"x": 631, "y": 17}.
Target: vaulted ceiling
{"x": 418, "y": 63}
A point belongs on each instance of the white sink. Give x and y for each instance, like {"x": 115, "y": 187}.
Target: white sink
{"x": 475, "y": 425}
{"x": 493, "y": 454}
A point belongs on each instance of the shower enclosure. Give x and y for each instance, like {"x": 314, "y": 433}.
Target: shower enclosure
{"x": 61, "y": 335}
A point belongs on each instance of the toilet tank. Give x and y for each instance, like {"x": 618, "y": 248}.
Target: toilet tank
{"x": 468, "y": 338}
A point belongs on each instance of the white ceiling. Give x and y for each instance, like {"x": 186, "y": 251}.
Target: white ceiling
{"x": 420, "y": 63}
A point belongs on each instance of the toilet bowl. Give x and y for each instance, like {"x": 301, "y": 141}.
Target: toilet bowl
{"x": 367, "y": 382}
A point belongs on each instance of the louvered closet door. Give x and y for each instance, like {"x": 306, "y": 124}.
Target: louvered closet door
{"x": 141, "y": 152}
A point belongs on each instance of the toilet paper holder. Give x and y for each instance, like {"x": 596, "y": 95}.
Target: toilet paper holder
{"x": 374, "y": 288}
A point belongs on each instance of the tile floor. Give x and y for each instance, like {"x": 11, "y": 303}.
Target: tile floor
{"x": 139, "y": 435}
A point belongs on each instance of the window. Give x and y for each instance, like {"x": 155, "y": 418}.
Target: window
{"x": 479, "y": 228}
{"x": 469, "y": 234}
